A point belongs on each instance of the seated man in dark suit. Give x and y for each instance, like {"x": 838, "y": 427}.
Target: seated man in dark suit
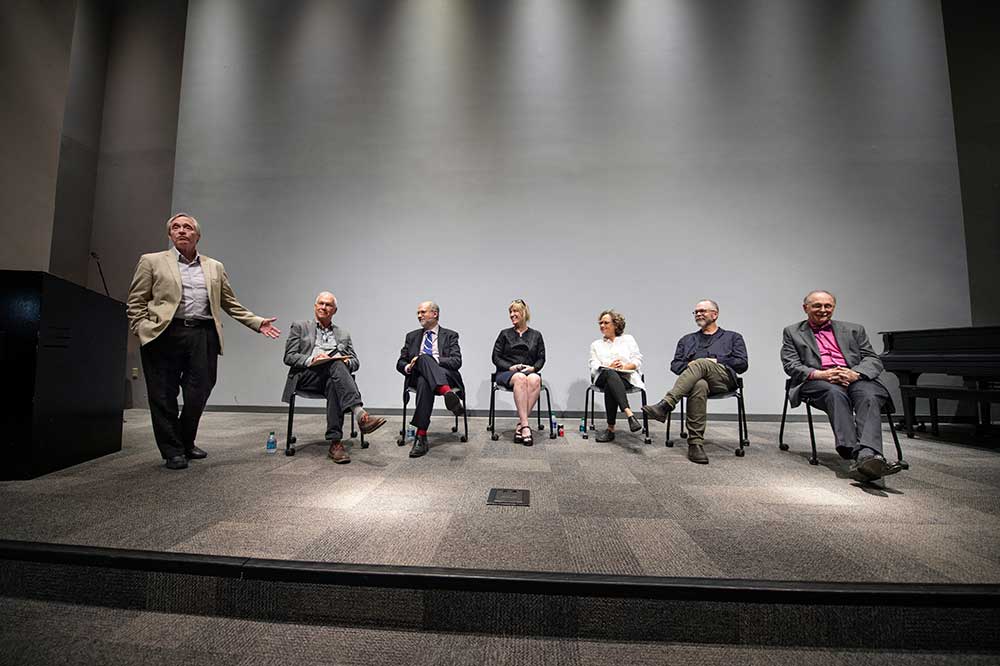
{"x": 833, "y": 366}
{"x": 430, "y": 359}
{"x": 707, "y": 362}
{"x": 321, "y": 359}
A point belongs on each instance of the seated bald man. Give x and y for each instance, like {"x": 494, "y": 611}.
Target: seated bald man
{"x": 833, "y": 366}
{"x": 430, "y": 359}
{"x": 707, "y": 362}
{"x": 321, "y": 358}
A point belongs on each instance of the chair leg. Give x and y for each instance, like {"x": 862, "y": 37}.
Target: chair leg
{"x": 781, "y": 430}
{"x": 645, "y": 420}
{"x": 895, "y": 440}
{"x": 289, "y": 438}
{"x": 593, "y": 395}
{"x": 402, "y": 431}
{"x": 683, "y": 421}
{"x": 812, "y": 435}
{"x": 492, "y": 425}
{"x": 586, "y": 401}
{"x": 741, "y": 426}
{"x": 548, "y": 401}
{"x": 669, "y": 442}
{"x": 465, "y": 419}
{"x": 354, "y": 428}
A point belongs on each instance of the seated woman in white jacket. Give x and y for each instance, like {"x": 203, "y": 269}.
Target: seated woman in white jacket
{"x": 615, "y": 363}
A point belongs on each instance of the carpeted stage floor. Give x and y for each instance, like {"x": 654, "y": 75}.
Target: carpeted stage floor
{"x": 619, "y": 508}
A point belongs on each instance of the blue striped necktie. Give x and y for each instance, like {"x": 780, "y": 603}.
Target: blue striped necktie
{"x": 428, "y": 347}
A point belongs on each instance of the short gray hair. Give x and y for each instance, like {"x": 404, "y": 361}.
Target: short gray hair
{"x": 715, "y": 306}
{"x": 434, "y": 306}
{"x": 331, "y": 296}
{"x": 197, "y": 227}
{"x": 805, "y": 301}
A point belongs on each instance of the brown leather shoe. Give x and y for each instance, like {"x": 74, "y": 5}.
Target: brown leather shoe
{"x": 696, "y": 454}
{"x": 339, "y": 453}
{"x": 370, "y": 424}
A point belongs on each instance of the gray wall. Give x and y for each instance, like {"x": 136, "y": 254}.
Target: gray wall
{"x": 35, "y": 43}
{"x": 641, "y": 155}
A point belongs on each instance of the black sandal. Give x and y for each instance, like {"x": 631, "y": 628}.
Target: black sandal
{"x": 517, "y": 434}
{"x": 527, "y": 441}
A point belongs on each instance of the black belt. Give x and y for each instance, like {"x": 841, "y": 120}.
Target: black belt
{"x": 192, "y": 323}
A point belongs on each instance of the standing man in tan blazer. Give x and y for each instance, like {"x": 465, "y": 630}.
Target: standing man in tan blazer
{"x": 174, "y": 307}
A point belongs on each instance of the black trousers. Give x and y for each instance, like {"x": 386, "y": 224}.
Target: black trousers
{"x": 333, "y": 380}
{"x": 181, "y": 360}
{"x": 427, "y": 377}
{"x": 613, "y": 384}
{"x": 855, "y": 412}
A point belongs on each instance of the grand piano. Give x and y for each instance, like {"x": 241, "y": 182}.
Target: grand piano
{"x": 972, "y": 353}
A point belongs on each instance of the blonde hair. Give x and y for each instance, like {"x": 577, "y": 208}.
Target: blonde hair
{"x": 522, "y": 307}
{"x": 197, "y": 227}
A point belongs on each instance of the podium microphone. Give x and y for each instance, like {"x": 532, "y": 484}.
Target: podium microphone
{"x": 101, "y": 272}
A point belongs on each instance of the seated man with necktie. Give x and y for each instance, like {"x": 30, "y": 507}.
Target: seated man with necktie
{"x": 321, "y": 358}
{"x": 430, "y": 359}
{"x": 833, "y": 367}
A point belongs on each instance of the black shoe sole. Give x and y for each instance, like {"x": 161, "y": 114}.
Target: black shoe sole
{"x": 194, "y": 456}
{"x": 453, "y": 403}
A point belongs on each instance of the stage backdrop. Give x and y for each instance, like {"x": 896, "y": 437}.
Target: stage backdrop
{"x": 578, "y": 155}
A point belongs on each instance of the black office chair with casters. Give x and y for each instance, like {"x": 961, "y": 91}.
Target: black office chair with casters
{"x": 887, "y": 411}
{"x": 407, "y": 390}
{"x": 290, "y": 439}
{"x": 588, "y": 406}
{"x": 741, "y": 417}
{"x": 494, "y": 387}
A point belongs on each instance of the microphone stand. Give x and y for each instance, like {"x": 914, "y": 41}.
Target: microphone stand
{"x": 101, "y": 273}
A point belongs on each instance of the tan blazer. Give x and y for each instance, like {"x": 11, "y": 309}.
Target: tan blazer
{"x": 155, "y": 295}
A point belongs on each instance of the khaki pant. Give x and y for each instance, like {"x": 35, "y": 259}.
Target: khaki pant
{"x": 700, "y": 379}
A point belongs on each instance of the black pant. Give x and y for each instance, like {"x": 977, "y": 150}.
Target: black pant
{"x": 855, "y": 412}
{"x": 427, "y": 377}
{"x": 181, "y": 359}
{"x": 333, "y": 380}
{"x": 613, "y": 384}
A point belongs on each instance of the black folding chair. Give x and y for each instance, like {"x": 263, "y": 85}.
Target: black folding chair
{"x": 887, "y": 411}
{"x": 741, "y": 419}
{"x": 491, "y": 427}
{"x": 290, "y": 439}
{"x": 588, "y": 405}
{"x": 407, "y": 390}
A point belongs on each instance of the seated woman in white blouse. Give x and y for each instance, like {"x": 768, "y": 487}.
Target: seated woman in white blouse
{"x": 614, "y": 363}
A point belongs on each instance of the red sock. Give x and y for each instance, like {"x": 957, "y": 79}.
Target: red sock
{"x": 443, "y": 389}
{"x": 421, "y": 433}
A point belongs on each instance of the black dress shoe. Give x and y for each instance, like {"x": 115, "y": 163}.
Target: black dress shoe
{"x": 871, "y": 469}
{"x": 633, "y": 424}
{"x": 658, "y": 411}
{"x": 419, "y": 446}
{"x": 696, "y": 454}
{"x": 453, "y": 403}
{"x": 194, "y": 453}
{"x": 177, "y": 462}
{"x": 606, "y": 436}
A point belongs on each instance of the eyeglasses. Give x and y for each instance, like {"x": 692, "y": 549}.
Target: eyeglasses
{"x": 698, "y": 312}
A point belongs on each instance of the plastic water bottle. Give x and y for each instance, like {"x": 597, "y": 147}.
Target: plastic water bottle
{"x": 411, "y": 435}
{"x": 272, "y": 444}
{"x": 583, "y": 424}
{"x": 553, "y": 424}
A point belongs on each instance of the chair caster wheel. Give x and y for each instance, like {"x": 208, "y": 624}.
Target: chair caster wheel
{"x": 354, "y": 433}
{"x": 290, "y": 451}
{"x": 494, "y": 437}
{"x": 541, "y": 428}
{"x": 740, "y": 453}
{"x": 585, "y": 436}
{"x": 552, "y": 435}
{"x": 647, "y": 440}
{"x": 669, "y": 443}
{"x": 684, "y": 435}
{"x": 904, "y": 465}
{"x": 463, "y": 438}
{"x": 783, "y": 447}
{"x": 293, "y": 439}
{"x": 400, "y": 442}
{"x": 454, "y": 429}
{"x": 364, "y": 445}
{"x": 813, "y": 462}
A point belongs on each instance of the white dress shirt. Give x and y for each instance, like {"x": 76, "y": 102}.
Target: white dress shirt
{"x": 194, "y": 291}
{"x": 623, "y": 348}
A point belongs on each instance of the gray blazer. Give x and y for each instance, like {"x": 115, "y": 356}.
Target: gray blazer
{"x": 800, "y": 353}
{"x": 301, "y": 341}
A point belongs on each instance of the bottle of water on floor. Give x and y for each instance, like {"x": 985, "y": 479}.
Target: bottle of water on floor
{"x": 272, "y": 444}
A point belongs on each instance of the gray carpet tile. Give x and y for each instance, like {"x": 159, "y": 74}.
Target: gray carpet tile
{"x": 617, "y": 507}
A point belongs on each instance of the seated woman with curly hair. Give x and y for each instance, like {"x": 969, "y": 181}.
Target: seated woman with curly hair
{"x": 615, "y": 363}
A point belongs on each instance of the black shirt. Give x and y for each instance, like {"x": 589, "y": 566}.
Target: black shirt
{"x": 513, "y": 349}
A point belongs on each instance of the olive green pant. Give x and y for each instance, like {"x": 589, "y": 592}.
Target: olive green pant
{"x": 700, "y": 379}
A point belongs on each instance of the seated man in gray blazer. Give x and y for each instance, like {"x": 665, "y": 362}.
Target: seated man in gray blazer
{"x": 321, "y": 359}
{"x": 833, "y": 366}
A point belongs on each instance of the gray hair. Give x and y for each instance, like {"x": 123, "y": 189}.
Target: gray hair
{"x": 330, "y": 293}
{"x": 197, "y": 227}
{"x": 433, "y": 306}
{"x": 715, "y": 306}
{"x": 805, "y": 301}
